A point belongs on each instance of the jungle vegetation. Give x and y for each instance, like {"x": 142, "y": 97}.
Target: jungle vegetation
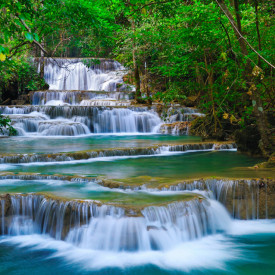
{"x": 217, "y": 55}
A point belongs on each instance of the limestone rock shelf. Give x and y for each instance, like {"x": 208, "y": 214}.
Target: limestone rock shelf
{"x": 113, "y": 152}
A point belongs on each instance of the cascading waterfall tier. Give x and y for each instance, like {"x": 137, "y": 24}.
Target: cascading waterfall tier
{"x": 45, "y": 120}
{"x": 82, "y": 120}
{"x": 88, "y": 96}
{"x": 94, "y": 226}
{"x": 85, "y": 98}
{"x": 83, "y": 74}
{"x": 99, "y": 119}
{"x": 244, "y": 199}
{"x": 178, "y": 120}
{"x": 37, "y": 176}
{"x": 90, "y": 154}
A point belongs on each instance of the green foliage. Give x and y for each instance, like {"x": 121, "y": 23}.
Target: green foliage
{"x": 5, "y": 126}
{"x": 193, "y": 46}
{"x": 173, "y": 94}
{"x": 180, "y": 48}
{"x": 19, "y": 75}
{"x": 62, "y": 27}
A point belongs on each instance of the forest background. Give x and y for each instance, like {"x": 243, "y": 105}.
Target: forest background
{"x": 216, "y": 55}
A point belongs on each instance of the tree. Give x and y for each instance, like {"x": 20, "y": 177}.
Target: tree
{"x": 47, "y": 25}
{"x": 31, "y": 28}
{"x": 252, "y": 76}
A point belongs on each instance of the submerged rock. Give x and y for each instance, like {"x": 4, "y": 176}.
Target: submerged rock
{"x": 176, "y": 128}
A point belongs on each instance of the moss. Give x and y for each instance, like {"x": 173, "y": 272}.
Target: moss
{"x": 161, "y": 182}
{"x": 133, "y": 205}
{"x": 35, "y": 176}
{"x": 270, "y": 164}
{"x": 78, "y": 155}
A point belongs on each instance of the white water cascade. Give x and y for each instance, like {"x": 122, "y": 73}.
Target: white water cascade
{"x": 114, "y": 204}
{"x": 83, "y": 74}
{"x": 89, "y": 96}
{"x": 87, "y": 225}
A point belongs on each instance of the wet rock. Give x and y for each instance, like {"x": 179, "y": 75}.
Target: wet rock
{"x": 176, "y": 128}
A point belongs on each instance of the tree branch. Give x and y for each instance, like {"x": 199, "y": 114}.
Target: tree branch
{"x": 60, "y": 42}
{"x": 15, "y": 49}
{"x": 226, "y": 12}
{"x": 150, "y": 4}
{"x": 29, "y": 30}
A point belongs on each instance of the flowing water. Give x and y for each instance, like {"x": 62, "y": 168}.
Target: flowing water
{"x": 95, "y": 185}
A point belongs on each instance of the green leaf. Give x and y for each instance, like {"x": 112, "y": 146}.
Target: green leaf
{"x": 7, "y": 35}
{"x": 4, "y": 50}
{"x": 21, "y": 16}
{"x": 36, "y": 37}
{"x": 253, "y": 103}
{"x": 29, "y": 36}
{"x": 260, "y": 109}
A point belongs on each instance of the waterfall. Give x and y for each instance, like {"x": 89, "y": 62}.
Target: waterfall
{"x": 88, "y": 225}
{"x": 177, "y": 114}
{"x": 76, "y": 97}
{"x": 44, "y": 119}
{"x": 124, "y": 120}
{"x": 244, "y": 199}
{"x": 105, "y": 102}
{"x": 83, "y": 74}
{"x": 157, "y": 226}
{"x": 88, "y": 96}
{"x": 62, "y": 128}
{"x": 80, "y": 120}
{"x": 160, "y": 228}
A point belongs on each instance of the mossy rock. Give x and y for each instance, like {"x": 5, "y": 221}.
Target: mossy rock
{"x": 270, "y": 164}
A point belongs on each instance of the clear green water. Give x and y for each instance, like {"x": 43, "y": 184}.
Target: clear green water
{"x": 245, "y": 254}
{"x": 92, "y": 191}
{"x": 248, "y": 248}
{"x": 61, "y": 144}
{"x": 181, "y": 166}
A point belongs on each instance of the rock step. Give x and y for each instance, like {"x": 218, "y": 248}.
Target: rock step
{"x": 138, "y": 151}
{"x": 243, "y": 198}
{"x": 18, "y": 102}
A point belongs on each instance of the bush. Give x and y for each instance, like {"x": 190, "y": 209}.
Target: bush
{"x": 18, "y": 76}
{"x": 5, "y": 126}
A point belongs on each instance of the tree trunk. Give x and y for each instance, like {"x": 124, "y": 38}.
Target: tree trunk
{"x": 135, "y": 65}
{"x": 42, "y": 61}
{"x": 235, "y": 28}
{"x": 238, "y": 15}
{"x": 137, "y": 80}
{"x": 258, "y": 30}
